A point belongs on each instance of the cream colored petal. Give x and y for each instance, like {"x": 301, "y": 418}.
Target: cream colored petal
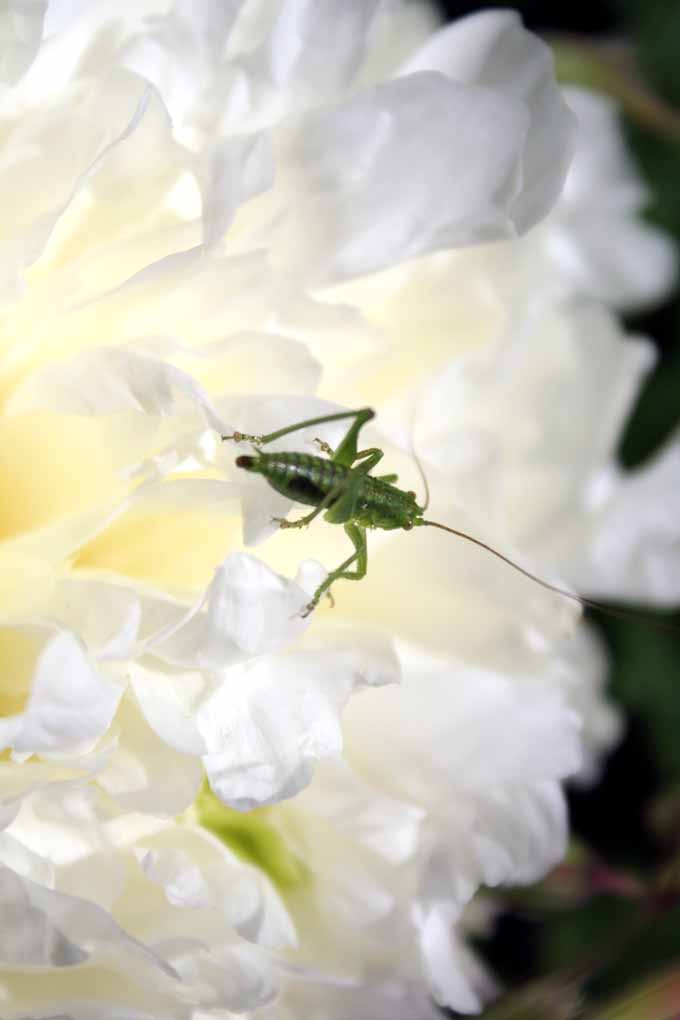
{"x": 66, "y": 703}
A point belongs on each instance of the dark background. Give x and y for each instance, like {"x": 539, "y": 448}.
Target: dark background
{"x": 630, "y": 823}
{"x": 541, "y": 15}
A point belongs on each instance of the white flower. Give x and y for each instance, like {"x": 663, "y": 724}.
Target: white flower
{"x": 105, "y": 369}
{"x": 259, "y": 209}
{"x": 127, "y": 912}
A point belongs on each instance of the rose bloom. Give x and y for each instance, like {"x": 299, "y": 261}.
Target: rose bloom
{"x": 241, "y": 216}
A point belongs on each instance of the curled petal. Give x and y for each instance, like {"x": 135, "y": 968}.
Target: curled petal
{"x": 271, "y": 720}
{"x": 110, "y": 380}
{"x": 494, "y": 50}
{"x": 635, "y": 550}
{"x": 596, "y": 238}
{"x": 70, "y": 703}
{"x": 59, "y": 930}
{"x": 458, "y": 979}
{"x": 400, "y": 144}
{"x": 249, "y": 610}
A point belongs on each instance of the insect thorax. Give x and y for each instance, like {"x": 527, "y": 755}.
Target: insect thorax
{"x": 382, "y": 505}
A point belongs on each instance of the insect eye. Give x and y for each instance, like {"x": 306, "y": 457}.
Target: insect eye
{"x": 407, "y": 527}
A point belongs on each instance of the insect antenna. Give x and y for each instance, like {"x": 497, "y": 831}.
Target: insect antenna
{"x": 601, "y": 607}
{"x": 421, "y": 470}
{"x": 423, "y": 477}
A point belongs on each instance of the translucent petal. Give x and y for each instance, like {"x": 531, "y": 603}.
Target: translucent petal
{"x": 70, "y": 702}
{"x": 493, "y": 49}
{"x": 271, "y": 720}
{"x": 400, "y": 144}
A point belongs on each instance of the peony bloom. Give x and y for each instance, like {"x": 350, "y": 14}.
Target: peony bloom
{"x": 257, "y": 214}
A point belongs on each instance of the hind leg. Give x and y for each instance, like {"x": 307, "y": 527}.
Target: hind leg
{"x": 357, "y": 536}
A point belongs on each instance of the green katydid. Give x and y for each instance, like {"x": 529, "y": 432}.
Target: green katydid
{"x": 341, "y": 485}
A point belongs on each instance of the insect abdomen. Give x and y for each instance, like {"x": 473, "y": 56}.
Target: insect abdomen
{"x": 300, "y": 476}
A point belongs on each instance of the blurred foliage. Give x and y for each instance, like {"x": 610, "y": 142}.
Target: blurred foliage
{"x": 599, "y": 939}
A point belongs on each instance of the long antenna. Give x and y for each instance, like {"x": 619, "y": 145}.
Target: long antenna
{"x": 412, "y": 451}
{"x": 423, "y": 477}
{"x": 625, "y": 614}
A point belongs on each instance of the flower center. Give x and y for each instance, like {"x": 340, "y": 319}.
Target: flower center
{"x": 254, "y": 836}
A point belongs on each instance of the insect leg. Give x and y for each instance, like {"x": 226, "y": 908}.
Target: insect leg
{"x": 357, "y": 536}
{"x": 364, "y": 414}
{"x": 370, "y": 458}
{"x": 325, "y": 448}
{"x": 343, "y": 509}
{"x": 346, "y": 453}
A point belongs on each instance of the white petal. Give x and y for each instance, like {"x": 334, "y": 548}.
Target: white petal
{"x": 304, "y": 55}
{"x": 493, "y": 49}
{"x": 249, "y": 610}
{"x": 458, "y": 979}
{"x": 265, "y": 363}
{"x": 18, "y": 779}
{"x": 108, "y": 381}
{"x": 31, "y": 210}
{"x": 27, "y": 936}
{"x": 597, "y": 237}
{"x": 145, "y": 773}
{"x": 635, "y": 552}
{"x": 70, "y": 704}
{"x": 106, "y": 617}
{"x": 271, "y": 720}
{"x": 486, "y": 765}
{"x": 358, "y": 813}
{"x": 571, "y": 355}
{"x": 24, "y": 862}
{"x": 240, "y": 976}
{"x": 446, "y": 155}
{"x": 58, "y": 929}
{"x": 180, "y": 52}
{"x": 241, "y": 894}
{"x": 170, "y": 701}
{"x": 613, "y": 256}
{"x": 238, "y": 169}
{"x": 583, "y": 671}
{"x": 21, "y": 25}
{"x": 179, "y": 877}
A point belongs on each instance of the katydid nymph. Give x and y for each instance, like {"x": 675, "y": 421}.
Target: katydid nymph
{"x": 341, "y": 484}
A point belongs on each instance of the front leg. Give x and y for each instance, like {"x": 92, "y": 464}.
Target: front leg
{"x": 361, "y": 416}
{"x": 325, "y": 448}
{"x": 244, "y": 437}
{"x": 357, "y": 536}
